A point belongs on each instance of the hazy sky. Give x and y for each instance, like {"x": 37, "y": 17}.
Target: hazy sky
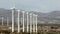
{"x": 32, "y": 5}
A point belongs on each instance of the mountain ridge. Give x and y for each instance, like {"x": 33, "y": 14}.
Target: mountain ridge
{"x": 53, "y": 16}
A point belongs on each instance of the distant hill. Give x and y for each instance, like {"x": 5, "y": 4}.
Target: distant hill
{"x": 43, "y": 18}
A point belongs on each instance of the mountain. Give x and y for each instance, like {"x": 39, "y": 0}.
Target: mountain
{"x": 53, "y": 17}
{"x": 43, "y": 18}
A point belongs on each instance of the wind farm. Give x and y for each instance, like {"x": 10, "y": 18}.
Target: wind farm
{"x": 29, "y": 27}
{"x": 29, "y": 17}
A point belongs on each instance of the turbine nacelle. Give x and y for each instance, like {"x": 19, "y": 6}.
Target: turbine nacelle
{"x": 30, "y": 13}
{"x": 18, "y": 10}
{"x": 27, "y": 13}
{"x": 23, "y": 11}
{"x": 13, "y": 7}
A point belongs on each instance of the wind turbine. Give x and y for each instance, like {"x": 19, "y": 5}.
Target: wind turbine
{"x": 13, "y": 18}
{"x": 2, "y": 20}
{"x": 30, "y": 22}
{"x": 36, "y": 23}
{"x": 23, "y": 20}
{"x": 7, "y": 21}
{"x": 18, "y": 21}
{"x": 27, "y": 22}
{"x": 33, "y": 22}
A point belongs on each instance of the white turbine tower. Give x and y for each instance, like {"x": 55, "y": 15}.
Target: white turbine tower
{"x": 2, "y": 20}
{"x": 7, "y": 21}
{"x": 18, "y": 21}
{"x": 30, "y": 22}
{"x": 23, "y": 20}
{"x": 36, "y": 22}
{"x": 13, "y": 19}
{"x": 27, "y": 22}
{"x": 33, "y": 22}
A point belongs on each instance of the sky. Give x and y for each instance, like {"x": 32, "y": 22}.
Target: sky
{"x": 32, "y": 5}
